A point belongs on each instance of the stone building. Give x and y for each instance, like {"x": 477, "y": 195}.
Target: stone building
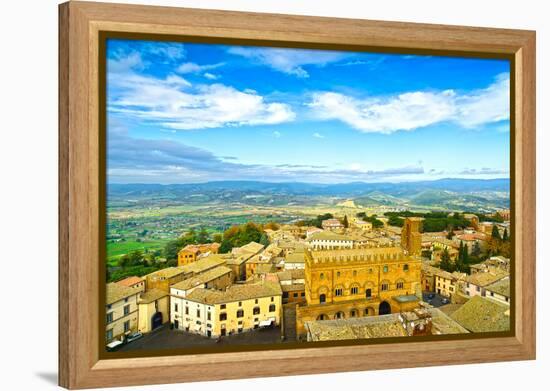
{"x": 191, "y": 252}
{"x": 121, "y": 311}
{"x": 349, "y": 283}
{"x": 237, "y": 309}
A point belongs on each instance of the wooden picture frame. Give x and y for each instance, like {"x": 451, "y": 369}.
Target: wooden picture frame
{"x": 81, "y": 364}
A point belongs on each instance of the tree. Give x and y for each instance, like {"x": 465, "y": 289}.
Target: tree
{"x": 124, "y": 260}
{"x": 476, "y": 251}
{"x": 450, "y": 233}
{"x": 136, "y": 257}
{"x": 217, "y": 238}
{"x": 264, "y": 240}
{"x": 202, "y": 236}
{"x": 345, "y": 222}
{"x": 505, "y": 235}
{"x": 495, "y": 234}
{"x": 445, "y": 262}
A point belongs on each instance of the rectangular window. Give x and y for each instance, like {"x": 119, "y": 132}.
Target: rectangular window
{"x": 400, "y": 285}
{"x": 126, "y": 309}
{"x": 222, "y": 307}
{"x": 186, "y": 310}
{"x": 109, "y": 335}
{"x": 354, "y": 290}
{"x": 176, "y": 307}
{"x": 338, "y": 292}
{"x": 109, "y": 317}
{"x": 126, "y": 326}
{"x": 208, "y": 316}
{"x": 198, "y": 313}
{"x": 385, "y": 287}
{"x": 223, "y": 316}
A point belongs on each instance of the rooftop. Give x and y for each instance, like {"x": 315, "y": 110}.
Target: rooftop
{"x": 405, "y": 298}
{"x": 327, "y": 235}
{"x": 151, "y": 295}
{"x": 295, "y": 257}
{"x": 501, "y": 287}
{"x": 116, "y": 292}
{"x": 236, "y": 293}
{"x": 486, "y": 278}
{"x": 480, "y": 314}
{"x": 203, "y": 264}
{"x": 377, "y": 327}
{"x": 166, "y": 273}
{"x": 202, "y": 278}
{"x": 129, "y": 281}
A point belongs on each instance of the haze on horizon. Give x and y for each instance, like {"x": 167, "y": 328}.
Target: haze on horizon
{"x": 196, "y": 113}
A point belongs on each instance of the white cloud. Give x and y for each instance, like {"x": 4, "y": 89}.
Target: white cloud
{"x": 276, "y": 134}
{"x": 211, "y": 76}
{"x": 289, "y": 61}
{"x": 318, "y": 135}
{"x": 412, "y": 110}
{"x": 176, "y": 104}
{"x": 191, "y": 67}
{"x": 124, "y": 64}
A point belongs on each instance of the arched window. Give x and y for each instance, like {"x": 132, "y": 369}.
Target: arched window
{"x": 385, "y": 286}
{"x": 406, "y": 267}
{"x": 354, "y": 290}
{"x": 400, "y": 284}
{"x": 322, "y": 276}
{"x": 339, "y": 315}
{"x": 385, "y": 269}
{"x": 353, "y": 313}
{"x": 322, "y": 298}
{"x": 322, "y": 317}
{"x": 240, "y": 313}
{"x": 338, "y": 292}
{"x": 368, "y": 293}
{"x": 256, "y": 310}
{"x": 272, "y": 308}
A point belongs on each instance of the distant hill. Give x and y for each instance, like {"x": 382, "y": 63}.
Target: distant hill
{"x": 467, "y": 194}
{"x": 299, "y": 188}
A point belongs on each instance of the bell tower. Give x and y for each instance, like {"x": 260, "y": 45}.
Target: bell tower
{"x": 411, "y": 238}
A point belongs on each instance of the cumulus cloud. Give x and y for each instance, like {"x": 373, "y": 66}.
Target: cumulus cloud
{"x": 289, "y": 61}
{"x": 412, "y": 110}
{"x": 173, "y": 102}
{"x": 318, "y": 135}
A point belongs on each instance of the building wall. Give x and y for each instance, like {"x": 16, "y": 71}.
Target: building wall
{"x": 345, "y": 276}
{"x": 205, "y": 319}
{"x": 119, "y": 318}
{"x": 497, "y": 296}
{"x": 386, "y": 266}
{"x": 163, "y": 284}
{"x": 444, "y": 286}
{"x": 331, "y": 244}
{"x": 294, "y": 296}
{"x": 411, "y": 238}
{"x": 186, "y": 257}
{"x": 146, "y": 312}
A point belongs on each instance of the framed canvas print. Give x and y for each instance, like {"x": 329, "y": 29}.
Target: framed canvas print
{"x": 329, "y": 194}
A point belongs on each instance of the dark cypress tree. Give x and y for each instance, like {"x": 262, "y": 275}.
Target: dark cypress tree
{"x": 495, "y": 234}
{"x": 505, "y": 235}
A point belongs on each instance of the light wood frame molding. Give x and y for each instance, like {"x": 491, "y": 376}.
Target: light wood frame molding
{"x": 80, "y": 364}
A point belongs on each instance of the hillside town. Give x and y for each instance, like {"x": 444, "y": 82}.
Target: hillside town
{"x": 348, "y": 277}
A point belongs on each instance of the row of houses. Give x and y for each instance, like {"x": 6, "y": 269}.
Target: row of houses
{"x": 211, "y": 296}
{"x": 488, "y": 279}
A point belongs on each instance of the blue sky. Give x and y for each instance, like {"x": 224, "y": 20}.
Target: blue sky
{"x": 182, "y": 113}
